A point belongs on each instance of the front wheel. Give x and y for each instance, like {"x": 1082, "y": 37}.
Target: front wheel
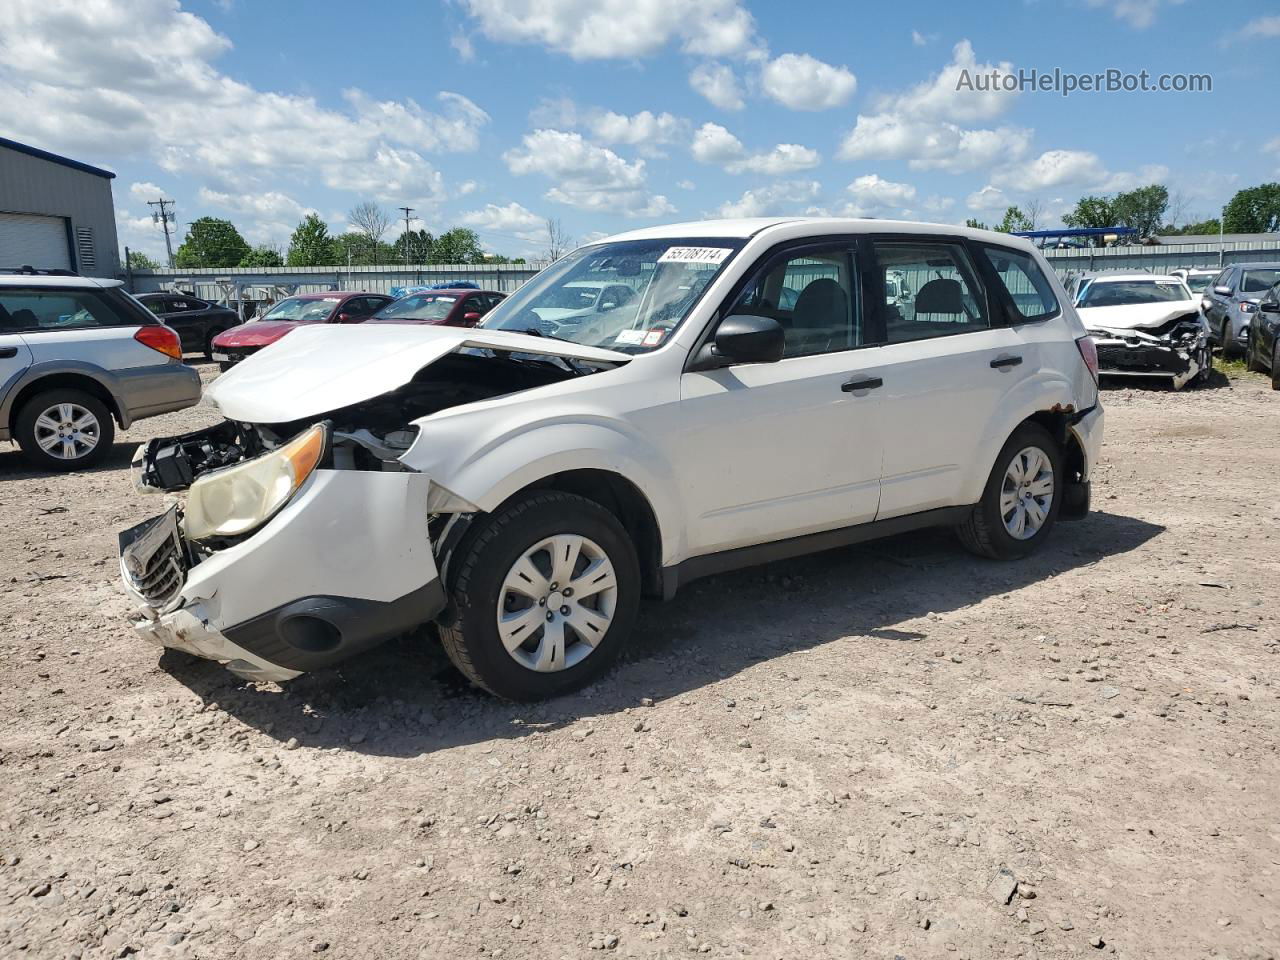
{"x": 544, "y": 598}
{"x": 1275, "y": 365}
{"x": 1021, "y": 500}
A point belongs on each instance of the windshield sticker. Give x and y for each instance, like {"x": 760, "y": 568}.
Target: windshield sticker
{"x": 695, "y": 255}
{"x": 654, "y": 337}
{"x": 629, "y": 336}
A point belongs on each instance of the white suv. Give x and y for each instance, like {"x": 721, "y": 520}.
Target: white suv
{"x": 523, "y": 483}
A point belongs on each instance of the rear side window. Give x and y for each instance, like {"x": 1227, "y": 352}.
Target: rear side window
{"x": 1028, "y": 287}
{"x": 931, "y": 290}
{"x": 35, "y": 310}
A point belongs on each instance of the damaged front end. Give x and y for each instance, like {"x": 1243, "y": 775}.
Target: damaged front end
{"x": 1177, "y": 348}
{"x": 298, "y": 539}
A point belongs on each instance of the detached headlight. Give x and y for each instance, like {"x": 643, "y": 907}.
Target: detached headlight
{"x": 241, "y": 498}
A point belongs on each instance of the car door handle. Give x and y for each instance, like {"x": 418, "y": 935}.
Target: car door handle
{"x": 7, "y": 353}
{"x": 861, "y": 383}
{"x": 1000, "y": 363}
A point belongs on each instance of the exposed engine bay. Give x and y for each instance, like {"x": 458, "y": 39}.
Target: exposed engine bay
{"x": 1177, "y": 348}
{"x": 370, "y": 435}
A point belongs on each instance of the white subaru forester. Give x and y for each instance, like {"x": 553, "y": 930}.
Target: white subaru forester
{"x": 750, "y": 390}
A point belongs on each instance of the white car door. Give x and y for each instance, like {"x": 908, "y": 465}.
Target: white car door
{"x": 946, "y": 368}
{"x": 768, "y": 451}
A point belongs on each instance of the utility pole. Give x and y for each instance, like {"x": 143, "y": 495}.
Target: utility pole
{"x": 408, "y": 213}
{"x": 164, "y": 216}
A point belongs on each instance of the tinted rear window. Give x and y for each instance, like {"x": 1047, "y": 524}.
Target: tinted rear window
{"x": 37, "y": 309}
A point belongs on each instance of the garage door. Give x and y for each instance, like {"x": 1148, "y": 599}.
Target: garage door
{"x": 41, "y": 242}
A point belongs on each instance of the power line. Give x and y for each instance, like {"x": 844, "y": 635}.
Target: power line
{"x": 164, "y": 216}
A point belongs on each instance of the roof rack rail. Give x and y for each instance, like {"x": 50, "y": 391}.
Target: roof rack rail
{"x": 27, "y": 270}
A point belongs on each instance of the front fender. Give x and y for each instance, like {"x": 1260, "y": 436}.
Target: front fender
{"x": 488, "y": 470}
{"x": 1047, "y": 391}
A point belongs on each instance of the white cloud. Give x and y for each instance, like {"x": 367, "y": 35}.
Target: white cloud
{"x": 272, "y": 215}
{"x": 802, "y": 82}
{"x": 718, "y": 84}
{"x": 511, "y": 218}
{"x": 714, "y": 144}
{"x": 919, "y": 39}
{"x": 1053, "y": 168}
{"x": 107, "y": 87}
{"x": 641, "y": 129}
{"x": 1137, "y": 13}
{"x": 872, "y": 194}
{"x": 610, "y": 29}
{"x": 687, "y": 185}
{"x": 142, "y": 192}
{"x": 784, "y": 198}
{"x": 587, "y": 176}
{"x": 925, "y": 124}
{"x": 988, "y": 199}
{"x": 1259, "y": 28}
{"x": 463, "y": 47}
{"x": 932, "y": 145}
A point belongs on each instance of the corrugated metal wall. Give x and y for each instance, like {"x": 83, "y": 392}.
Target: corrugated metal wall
{"x": 37, "y": 186}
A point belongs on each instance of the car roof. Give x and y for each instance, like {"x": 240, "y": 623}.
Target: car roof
{"x": 747, "y": 227}
{"x": 334, "y": 295}
{"x": 1257, "y": 265}
{"x": 42, "y": 280}
{"x": 1118, "y": 277}
{"x": 450, "y": 291}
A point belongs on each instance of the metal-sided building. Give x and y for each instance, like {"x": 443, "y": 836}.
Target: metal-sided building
{"x": 55, "y": 213}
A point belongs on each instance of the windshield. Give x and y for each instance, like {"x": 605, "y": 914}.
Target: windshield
{"x": 1199, "y": 282}
{"x": 300, "y": 308}
{"x": 1258, "y": 281}
{"x": 625, "y": 296}
{"x": 1123, "y": 293}
{"x": 418, "y": 306}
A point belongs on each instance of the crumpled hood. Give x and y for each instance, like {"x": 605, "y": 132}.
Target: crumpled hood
{"x": 1136, "y": 316}
{"x": 321, "y": 368}
{"x": 256, "y": 334}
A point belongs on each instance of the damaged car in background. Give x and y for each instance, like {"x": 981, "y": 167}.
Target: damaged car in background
{"x": 1146, "y": 326}
{"x": 522, "y": 484}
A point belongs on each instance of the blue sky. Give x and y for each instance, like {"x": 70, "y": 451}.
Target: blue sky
{"x": 609, "y": 114}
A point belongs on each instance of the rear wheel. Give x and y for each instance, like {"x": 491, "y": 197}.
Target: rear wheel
{"x": 545, "y": 596}
{"x": 64, "y": 429}
{"x": 1021, "y": 500}
{"x": 1275, "y": 365}
{"x": 1224, "y": 339}
{"x": 1252, "y": 358}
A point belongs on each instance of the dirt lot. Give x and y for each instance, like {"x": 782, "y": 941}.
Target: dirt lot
{"x": 839, "y": 757}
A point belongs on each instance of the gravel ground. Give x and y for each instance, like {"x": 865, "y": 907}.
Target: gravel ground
{"x": 893, "y": 750}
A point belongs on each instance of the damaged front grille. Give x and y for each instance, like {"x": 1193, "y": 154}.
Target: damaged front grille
{"x": 162, "y": 577}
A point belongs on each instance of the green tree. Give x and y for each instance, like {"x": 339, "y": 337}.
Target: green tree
{"x": 211, "y": 243}
{"x": 1143, "y": 208}
{"x": 976, "y": 224}
{"x": 311, "y": 245}
{"x": 420, "y": 244}
{"x": 1254, "y": 210}
{"x": 140, "y": 261}
{"x": 358, "y": 250}
{"x": 1202, "y": 228}
{"x": 458, "y": 245}
{"x": 1015, "y": 221}
{"x": 262, "y": 256}
{"x": 1091, "y": 212}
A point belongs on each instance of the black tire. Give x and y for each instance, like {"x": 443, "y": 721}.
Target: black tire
{"x": 208, "y": 341}
{"x": 481, "y": 563}
{"x": 1206, "y": 366}
{"x": 1224, "y": 339}
{"x": 1275, "y": 365}
{"x": 983, "y": 532}
{"x": 26, "y": 429}
{"x": 224, "y": 366}
{"x": 1252, "y": 362}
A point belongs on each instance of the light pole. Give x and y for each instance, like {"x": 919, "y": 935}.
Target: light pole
{"x": 164, "y": 216}
{"x": 408, "y": 213}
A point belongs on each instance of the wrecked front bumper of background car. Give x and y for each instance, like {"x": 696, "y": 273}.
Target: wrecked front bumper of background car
{"x": 1179, "y": 354}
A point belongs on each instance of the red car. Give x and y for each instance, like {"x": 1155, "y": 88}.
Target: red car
{"x": 445, "y": 308}
{"x": 338, "y": 306}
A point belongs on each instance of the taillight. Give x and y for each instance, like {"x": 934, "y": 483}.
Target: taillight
{"x": 159, "y": 337}
{"x": 1089, "y": 354}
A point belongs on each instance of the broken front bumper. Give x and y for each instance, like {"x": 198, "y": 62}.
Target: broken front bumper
{"x": 345, "y": 565}
{"x": 1146, "y": 356}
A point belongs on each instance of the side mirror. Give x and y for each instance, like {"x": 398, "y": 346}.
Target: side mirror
{"x": 1222, "y": 291}
{"x": 471, "y": 317}
{"x": 1269, "y": 306}
{"x": 743, "y": 338}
